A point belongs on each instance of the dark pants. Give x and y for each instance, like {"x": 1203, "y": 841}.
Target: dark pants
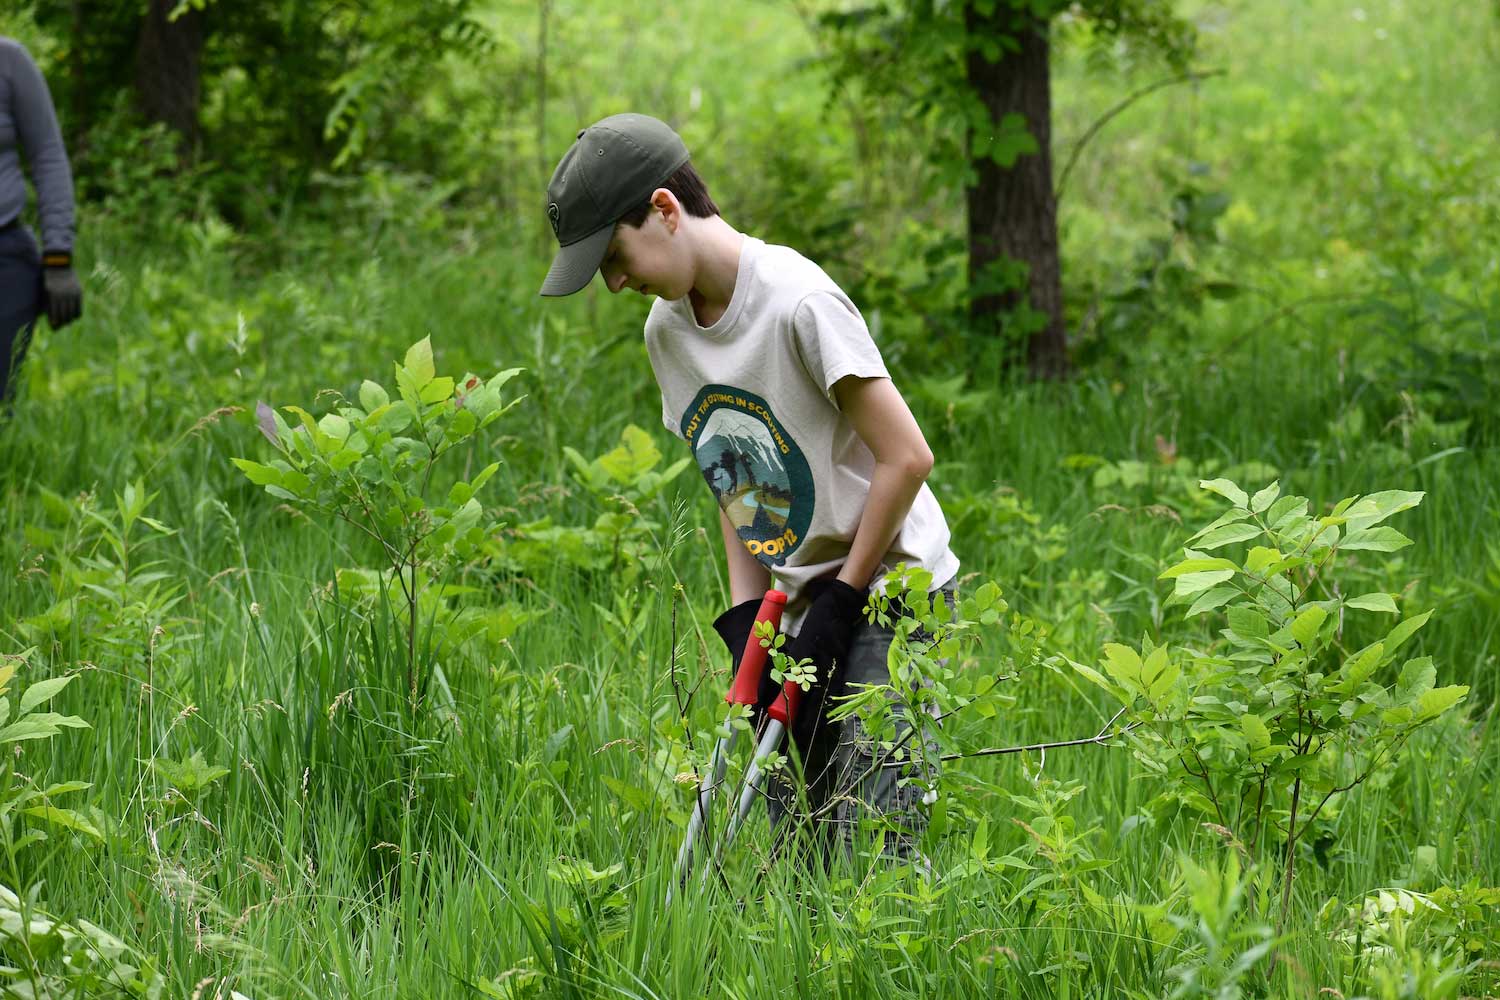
{"x": 843, "y": 769}
{"x": 20, "y": 299}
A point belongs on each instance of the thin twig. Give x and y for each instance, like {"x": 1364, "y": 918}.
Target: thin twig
{"x": 1104, "y": 119}
{"x": 1102, "y": 737}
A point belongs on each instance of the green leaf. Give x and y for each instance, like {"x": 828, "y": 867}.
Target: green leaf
{"x": 636, "y": 454}
{"x": 260, "y": 475}
{"x": 1257, "y": 736}
{"x": 1158, "y": 674}
{"x": 1305, "y": 627}
{"x": 459, "y": 494}
{"x": 341, "y": 460}
{"x": 1216, "y": 598}
{"x": 1284, "y": 510}
{"x": 391, "y": 419}
{"x": 191, "y": 775}
{"x": 1417, "y": 678}
{"x": 1397, "y": 636}
{"x": 466, "y": 517}
{"x": 484, "y": 476}
{"x": 1261, "y": 557}
{"x": 372, "y": 395}
{"x": 39, "y": 726}
{"x": 409, "y": 388}
{"x": 335, "y": 427}
{"x": 1371, "y": 510}
{"x": 42, "y": 691}
{"x": 1197, "y": 566}
{"x": 304, "y": 416}
{"x": 1248, "y": 623}
{"x": 1231, "y": 516}
{"x": 64, "y": 787}
{"x": 1123, "y": 664}
{"x": 1437, "y": 701}
{"x": 437, "y": 390}
{"x": 66, "y": 818}
{"x": 1376, "y": 540}
{"x": 1191, "y": 583}
{"x": 1358, "y": 668}
{"x": 1373, "y": 602}
{"x": 1225, "y": 489}
{"x": 498, "y": 380}
{"x": 1095, "y": 677}
{"x": 1228, "y": 535}
{"x": 418, "y": 362}
{"x": 1264, "y": 498}
{"x": 1397, "y": 715}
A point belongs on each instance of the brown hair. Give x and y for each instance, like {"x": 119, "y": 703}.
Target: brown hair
{"x": 689, "y": 189}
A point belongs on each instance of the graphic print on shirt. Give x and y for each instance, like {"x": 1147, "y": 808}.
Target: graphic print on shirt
{"x": 757, "y": 472}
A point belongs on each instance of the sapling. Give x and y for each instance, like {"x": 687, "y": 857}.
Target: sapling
{"x": 1277, "y": 715}
{"x": 372, "y": 463}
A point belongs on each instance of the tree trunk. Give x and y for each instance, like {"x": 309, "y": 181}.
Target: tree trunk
{"x": 1013, "y": 209}
{"x": 76, "y": 123}
{"x": 167, "y": 70}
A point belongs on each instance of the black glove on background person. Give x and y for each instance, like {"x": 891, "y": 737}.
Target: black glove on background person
{"x": 827, "y": 631}
{"x": 62, "y": 292}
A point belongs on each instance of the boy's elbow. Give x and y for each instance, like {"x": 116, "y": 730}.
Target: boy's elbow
{"x": 917, "y": 465}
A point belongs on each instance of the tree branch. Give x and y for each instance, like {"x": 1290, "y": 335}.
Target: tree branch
{"x": 1104, "y": 119}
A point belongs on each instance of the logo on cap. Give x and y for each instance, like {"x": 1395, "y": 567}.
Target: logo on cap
{"x": 553, "y": 215}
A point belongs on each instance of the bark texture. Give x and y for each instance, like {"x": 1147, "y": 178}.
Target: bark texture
{"x": 168, "y": 70}
{"x": 1013, "y": 210}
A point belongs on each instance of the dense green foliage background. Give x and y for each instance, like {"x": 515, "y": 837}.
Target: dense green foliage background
{"x": 1284, "y": 270}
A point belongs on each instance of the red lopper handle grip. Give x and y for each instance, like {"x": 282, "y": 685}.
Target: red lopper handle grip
{"x": 784, "y": 709}
{"x": 746, "y": 687}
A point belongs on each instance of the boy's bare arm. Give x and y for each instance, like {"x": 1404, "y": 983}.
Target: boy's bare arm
{"x": 748, "y": 579}
{"x": 885, "y": 424}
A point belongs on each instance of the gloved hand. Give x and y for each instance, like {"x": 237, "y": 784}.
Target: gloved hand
{"x": 735, "y": 627}
{"x": 62, "y": 292}
{"x": 827, "y": 630}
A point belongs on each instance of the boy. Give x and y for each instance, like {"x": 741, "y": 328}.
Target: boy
{"x": 768, "y": 372}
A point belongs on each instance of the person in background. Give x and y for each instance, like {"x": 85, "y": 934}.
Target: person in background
{"x": 32, "y": 281}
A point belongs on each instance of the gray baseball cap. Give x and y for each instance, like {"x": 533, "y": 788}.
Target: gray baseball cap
{"x": 612, "y": 168}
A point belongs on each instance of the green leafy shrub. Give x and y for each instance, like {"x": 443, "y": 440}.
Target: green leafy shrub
{"x": 107, "y": 588}
{"x": 45, "y": 956}
{"x": 1271, "y": 721}
{"x": 621, "y": 481}
{"x": 372, "y": 465}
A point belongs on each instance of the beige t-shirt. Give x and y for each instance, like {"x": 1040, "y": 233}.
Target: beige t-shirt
{"x": 753, "y": 396}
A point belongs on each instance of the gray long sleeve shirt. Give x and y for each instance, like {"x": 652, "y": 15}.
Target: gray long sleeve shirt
{"x": 28, "y": 122}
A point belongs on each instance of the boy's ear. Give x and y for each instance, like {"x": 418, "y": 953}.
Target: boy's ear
{"x": 666, "y": 203}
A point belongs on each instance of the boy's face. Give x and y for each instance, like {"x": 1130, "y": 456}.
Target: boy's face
{"x": 653, "y": 259}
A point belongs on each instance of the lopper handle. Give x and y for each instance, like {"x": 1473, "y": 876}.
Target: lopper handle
{"x": 784, "y": 709}
{"x": 746, "y": 687}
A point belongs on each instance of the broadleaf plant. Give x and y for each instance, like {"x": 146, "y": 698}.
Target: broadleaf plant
{"x": 371, "y": 463}
{"x": 1279, "y": 714}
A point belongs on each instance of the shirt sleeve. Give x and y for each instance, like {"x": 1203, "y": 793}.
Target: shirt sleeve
{"x": 666, "y": 419}
{"x": 834, "y": 342}
{"x": 36, "y": 126}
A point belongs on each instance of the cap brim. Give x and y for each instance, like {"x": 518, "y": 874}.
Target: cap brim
{"x": 574, "y": 266}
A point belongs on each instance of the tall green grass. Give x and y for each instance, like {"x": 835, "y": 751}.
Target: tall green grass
{"x": 359, "y": 849}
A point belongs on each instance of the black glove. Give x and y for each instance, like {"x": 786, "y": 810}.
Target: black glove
{"x": 734, "y": 627}
{"x": 62, "y": 292}
{"x": 827, "y": 630}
